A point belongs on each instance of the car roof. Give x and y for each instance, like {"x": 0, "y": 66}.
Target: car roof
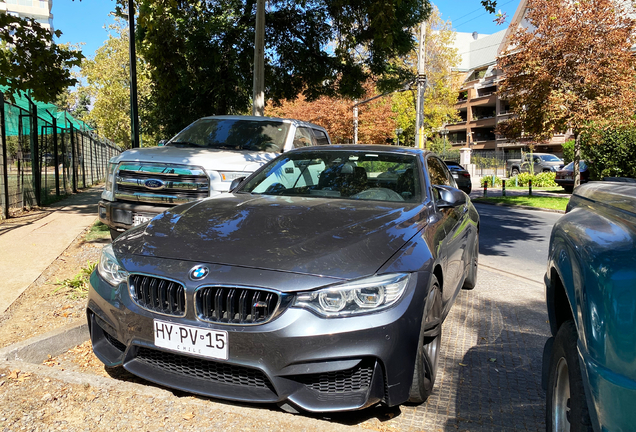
{"x": 262, "y": 118}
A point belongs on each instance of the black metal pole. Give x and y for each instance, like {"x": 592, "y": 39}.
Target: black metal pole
{"x": 56, "y": 159}
{"x": 35, "y": 154}
{"x": 134, "y": 117}
{"x": 5, "y": 174}
{"x": 74, "y": 158}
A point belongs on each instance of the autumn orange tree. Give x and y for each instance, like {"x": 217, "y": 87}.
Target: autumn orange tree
{"x": 376, "y": 120}
{"x": 570, "y": 69}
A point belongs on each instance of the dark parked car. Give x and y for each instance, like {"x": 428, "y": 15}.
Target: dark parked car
{"x": 461, "y": 176}
{"x": 320, "y": 283}
{"x": 565, "y": 176}
{"x": 590, "y": 362}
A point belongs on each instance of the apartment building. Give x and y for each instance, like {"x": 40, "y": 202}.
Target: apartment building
{"x": 479, "y": 106}
{"x": 40, "y": 10}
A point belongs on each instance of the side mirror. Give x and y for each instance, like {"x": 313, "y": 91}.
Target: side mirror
{"x": 162, "y": 142}
{"x": 450, "y": 197}
{"x": 235, "y": 183}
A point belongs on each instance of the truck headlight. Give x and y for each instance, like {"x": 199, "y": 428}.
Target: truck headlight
{"x": 109, "y": 187}
{"x": 230, "y": 176}
{"x": 366, "y": 295}
{"x": 109, "y": 267}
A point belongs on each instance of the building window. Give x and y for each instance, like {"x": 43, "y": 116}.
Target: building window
{"x": 25, "y": 3}
{"x": 15, "y": 2}
{"x": 44, "y": 5}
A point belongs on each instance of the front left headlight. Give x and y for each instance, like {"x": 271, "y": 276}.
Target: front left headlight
{"x": 109, "y": 267}
{"x": 366, "y": 295}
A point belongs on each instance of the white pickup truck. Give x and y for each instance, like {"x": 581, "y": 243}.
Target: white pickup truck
{"x": 200, "y": 161}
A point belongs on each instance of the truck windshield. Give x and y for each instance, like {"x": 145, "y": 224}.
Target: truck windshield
{"x": 550, "y": 158}
{"x": 233, "y": 134}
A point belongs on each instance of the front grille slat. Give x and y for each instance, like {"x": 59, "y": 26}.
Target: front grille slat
{"x": 158, "y": 295}
{"x": 236, "y": 305}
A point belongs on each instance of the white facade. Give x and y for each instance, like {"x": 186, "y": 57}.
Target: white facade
{"x": 40, "y": 10}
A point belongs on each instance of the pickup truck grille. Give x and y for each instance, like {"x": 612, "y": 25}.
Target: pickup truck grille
{"x": 161, "y": 183}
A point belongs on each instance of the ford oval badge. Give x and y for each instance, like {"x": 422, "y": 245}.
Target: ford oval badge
{"x": 199, "y": 272}
{"x": 154, "y": 184}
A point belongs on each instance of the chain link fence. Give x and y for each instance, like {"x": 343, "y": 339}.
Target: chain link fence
{"x": 46, "y": 154}
{"x": 493, "y": 162}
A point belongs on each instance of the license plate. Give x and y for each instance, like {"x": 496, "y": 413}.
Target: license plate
{"x": 456, "y": 176}
{"x": 140, "y": 219}
{"x": 191, "y": 340}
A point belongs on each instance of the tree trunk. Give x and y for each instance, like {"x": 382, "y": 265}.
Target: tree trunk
{"x": 577, "y": 158}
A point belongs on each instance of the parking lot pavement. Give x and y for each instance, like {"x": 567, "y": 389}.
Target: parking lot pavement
{"x": 488, "y": 380}
{"x": 489, "y": 376}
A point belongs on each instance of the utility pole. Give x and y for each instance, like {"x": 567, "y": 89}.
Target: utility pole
{"x": 258, "y": 96}
{"x": 355, "y": 122}
{"x": 421, "y": 87}
{"x": 134, "y": 117}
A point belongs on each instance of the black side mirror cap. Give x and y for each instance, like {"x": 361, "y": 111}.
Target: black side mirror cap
{"x": 450, "y": 196}
{"x": 235, "y": 183}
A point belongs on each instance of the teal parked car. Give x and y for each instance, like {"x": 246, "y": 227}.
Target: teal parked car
{"x": 589, "y": 365}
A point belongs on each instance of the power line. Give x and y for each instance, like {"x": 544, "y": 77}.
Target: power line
{"x": 457, "y": 25}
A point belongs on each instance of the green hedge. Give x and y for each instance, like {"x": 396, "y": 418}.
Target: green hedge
{"x": 545, "y": 179}
{"x": 489, "y": 180}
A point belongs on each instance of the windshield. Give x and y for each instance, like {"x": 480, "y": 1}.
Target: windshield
{"x": 354, "y": 175}
{"x": 550, "y": 158}
{"x": 233, "y": 134}
{"x": 570, "y": 166}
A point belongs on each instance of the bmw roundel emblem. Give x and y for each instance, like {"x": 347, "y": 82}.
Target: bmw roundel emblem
{"x": 199, "y": 272}
{"x": 154, "y": 184}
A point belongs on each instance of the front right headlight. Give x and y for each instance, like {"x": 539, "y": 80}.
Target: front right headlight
{"x": 109, "y": 267}
{"x": 362, "y": 296}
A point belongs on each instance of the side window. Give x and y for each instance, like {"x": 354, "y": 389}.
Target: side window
{"x": 303, "y": 137}
{"x": 437, "y": 172}
{"x": 321, "y": 137}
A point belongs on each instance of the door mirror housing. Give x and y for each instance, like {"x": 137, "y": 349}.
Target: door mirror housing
{"x": 450, "y": 196}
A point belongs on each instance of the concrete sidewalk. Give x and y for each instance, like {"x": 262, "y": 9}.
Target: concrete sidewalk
{"x": 28, "y": 245}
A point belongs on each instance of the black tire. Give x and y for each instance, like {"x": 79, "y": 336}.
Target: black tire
{"x": 566, "y": 406}
{"x": 428, "y": 346}
{"x": 514, "y": 172}
{"x": 114, "y": 233}
{"x": 471, "y": 280}
{"x": 568, "y": 189}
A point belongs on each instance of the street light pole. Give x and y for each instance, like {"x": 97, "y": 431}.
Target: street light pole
{"x": 134, "y": 116}
{"x": 258, "y": 96}
{"x": 421, "y": 87}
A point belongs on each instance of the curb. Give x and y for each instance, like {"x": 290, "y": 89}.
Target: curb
{"x": 524, "y": 207}
{"x": 53, "y": 343}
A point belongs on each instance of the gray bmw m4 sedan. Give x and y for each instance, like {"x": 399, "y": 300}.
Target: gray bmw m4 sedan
{"x": 319, "y": 283}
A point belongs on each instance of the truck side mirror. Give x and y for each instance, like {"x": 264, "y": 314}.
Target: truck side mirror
{"x": 235, "y": 183}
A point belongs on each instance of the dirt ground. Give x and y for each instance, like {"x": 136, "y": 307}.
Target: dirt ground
{"x": 45, "y": 305}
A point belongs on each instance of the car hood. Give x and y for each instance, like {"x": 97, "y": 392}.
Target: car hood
{"x": 319, "y": 236}
{"x": 210, "y": 159}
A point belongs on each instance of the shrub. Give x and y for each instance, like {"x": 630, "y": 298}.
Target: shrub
{"x": 568, "y": 151}
{"x": 610, "y": 152}
{"x": 489, "y": 180}
{"x": 545, "y": 179}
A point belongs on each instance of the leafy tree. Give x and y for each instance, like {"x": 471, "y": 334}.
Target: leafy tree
{"x": 108, "y": 83}
{"x": 571, "y": 67}
{"x": 30, "y": 61}
{"x": 440, "y": 95}
{"x": 376, "y": 120}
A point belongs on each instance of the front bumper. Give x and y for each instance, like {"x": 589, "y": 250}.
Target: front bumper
{"x": 121, "y": 216}
{"x": 298, "y": 358}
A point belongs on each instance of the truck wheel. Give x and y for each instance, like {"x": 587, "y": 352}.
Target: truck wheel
{"x": 514, "y": 172}
{"x": 566, "y": 408}
{"x": 471, "y": 279}
{"x": 428, "y": 347}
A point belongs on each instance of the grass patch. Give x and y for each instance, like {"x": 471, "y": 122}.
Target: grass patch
{"x": 77, "y": 286}
{"x": 552, "y": 203}
{"x": 98, "y": 231}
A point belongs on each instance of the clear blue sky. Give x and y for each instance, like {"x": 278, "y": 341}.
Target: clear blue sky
{"x": 84, "y": 21}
